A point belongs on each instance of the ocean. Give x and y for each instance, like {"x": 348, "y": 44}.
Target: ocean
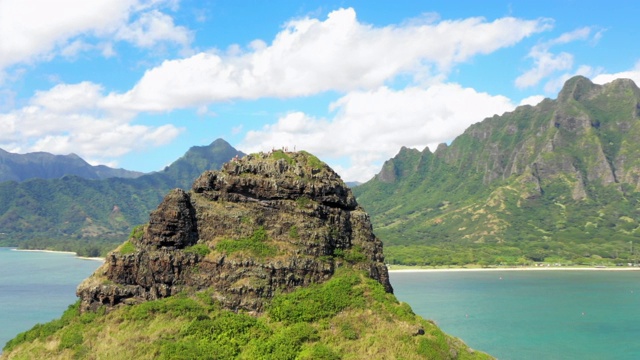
{"x": 567, "y": 314}
{"x": 37, "y": 287}
{"x": 509, "y": 314}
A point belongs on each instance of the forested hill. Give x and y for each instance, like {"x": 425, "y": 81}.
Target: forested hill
{"x": 42, "y": 165}
{"x": 556, "y": 182}
{"x": 90, "y": 216}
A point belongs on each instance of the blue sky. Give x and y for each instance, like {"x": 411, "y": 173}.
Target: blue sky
{"x": 135, "y": 83}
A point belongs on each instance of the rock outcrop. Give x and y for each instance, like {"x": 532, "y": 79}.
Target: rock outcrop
{"x": 264, "y": 224}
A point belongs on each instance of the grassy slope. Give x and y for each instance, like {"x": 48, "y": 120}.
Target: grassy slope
{"x": 348, "y": 317}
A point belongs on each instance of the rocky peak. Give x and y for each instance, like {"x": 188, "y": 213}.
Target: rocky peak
{"x": 276, "y": 176}
{"x": 264, "y": 223}
{"x": 577, "y": 88}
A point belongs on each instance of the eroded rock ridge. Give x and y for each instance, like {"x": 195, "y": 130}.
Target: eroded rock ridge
{"x": 263, "y": 224}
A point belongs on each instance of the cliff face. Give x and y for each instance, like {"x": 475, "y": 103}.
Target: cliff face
{"x": 264, "y": 224}
{"x": 549, "y": 180}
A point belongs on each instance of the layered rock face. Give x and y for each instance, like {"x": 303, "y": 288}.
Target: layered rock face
{"x": 263, "y": 224}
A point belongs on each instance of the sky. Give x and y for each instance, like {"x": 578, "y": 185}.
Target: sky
{"x": 135, "y": 83}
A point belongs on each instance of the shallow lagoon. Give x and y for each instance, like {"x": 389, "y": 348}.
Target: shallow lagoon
{"x": 36, "y": 287}
{"x": 568, "y": 314}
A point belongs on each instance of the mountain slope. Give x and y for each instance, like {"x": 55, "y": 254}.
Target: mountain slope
{"x": 60, "y": 213}
{"x": 555, "y": 182}
{"x": 269, "y": 258}
{"x": 41, "y": 165}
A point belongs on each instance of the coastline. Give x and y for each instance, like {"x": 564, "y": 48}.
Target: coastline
{"x": 524, "y": 268}
{"x": 61, "y": 252}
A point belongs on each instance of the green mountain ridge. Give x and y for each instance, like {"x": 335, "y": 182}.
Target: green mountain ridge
{"x": 42, "y": 165}
{"x": 91, "y": 216}
{"x": 556, "y": 182}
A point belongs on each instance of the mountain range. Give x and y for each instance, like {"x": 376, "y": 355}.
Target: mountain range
{"x": 555, "y": 182}
{"x": 42, "y": 165}
{"x": 89, "y": 216}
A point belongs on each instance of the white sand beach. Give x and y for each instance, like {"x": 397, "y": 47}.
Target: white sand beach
{"x": 62, "y": 252}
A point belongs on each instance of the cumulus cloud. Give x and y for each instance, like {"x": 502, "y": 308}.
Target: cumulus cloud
{"x": 29, "y": 35}
{"x": 633, "y": 74}
{"x": 532, "y": 100}
{"x": 310, "y": 56}
{"x": 69, "y": 118}
{"x": 370, "y": 126}
{"x": 153, "y": 27}
{"x": 369, "y": 123}
{"x": 547, "y": 63}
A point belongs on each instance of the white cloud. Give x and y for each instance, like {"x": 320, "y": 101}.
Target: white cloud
{"x": 307, "y": 57}
{"x": 37, "y": 30}
{"x": 546, "y": 63}
{"x": 311, "y": 56}
{"x": 633, "y": 74}
{"x": 69, "y": 118}
{"x": 153, "y": 27}
{"x": 532, "y": 100}
{"x": 370, "y": 126}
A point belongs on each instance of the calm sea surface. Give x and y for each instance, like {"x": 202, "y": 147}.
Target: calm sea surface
{"x": 509, "y": 314}
{"x": 532, "y": 314}
{"x": 36, "y": 287}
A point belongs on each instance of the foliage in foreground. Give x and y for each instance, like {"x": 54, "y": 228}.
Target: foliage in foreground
{"x": 348, "y": 317}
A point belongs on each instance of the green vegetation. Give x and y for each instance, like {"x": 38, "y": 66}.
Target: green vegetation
{"x": 352, "y": 255}
{"x": 303, "y": 201}
{"x": 199, "y": 249}
{"x": 293, "y": 232}
{"x": 281, "y": 155}
{"x": 127, "y": 248}
{"x": 255, "y": 245}
{"x": 317, "y": 301}
{"x": 348, "y": 317}
{"x": 137, "y": 232}
{"x": 312, "y": 160}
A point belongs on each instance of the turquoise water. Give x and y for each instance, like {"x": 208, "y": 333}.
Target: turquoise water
{"x": 532, "y": 314}
{"x": 36, "y": 287}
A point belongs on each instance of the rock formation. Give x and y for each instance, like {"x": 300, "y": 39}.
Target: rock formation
{"x": 264, "y": 224}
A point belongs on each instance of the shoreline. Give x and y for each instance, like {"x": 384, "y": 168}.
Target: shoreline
{"x": 525, "y": 268}
{"x": 61, "y": 252}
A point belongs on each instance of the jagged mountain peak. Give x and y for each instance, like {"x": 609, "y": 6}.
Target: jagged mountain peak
{"x": 576, "y": 88}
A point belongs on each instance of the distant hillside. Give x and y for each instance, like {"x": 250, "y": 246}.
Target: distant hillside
{"x": 556, "y": 182}
{"x": 42, "y": 165}
{"x": 89, "y": 216}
